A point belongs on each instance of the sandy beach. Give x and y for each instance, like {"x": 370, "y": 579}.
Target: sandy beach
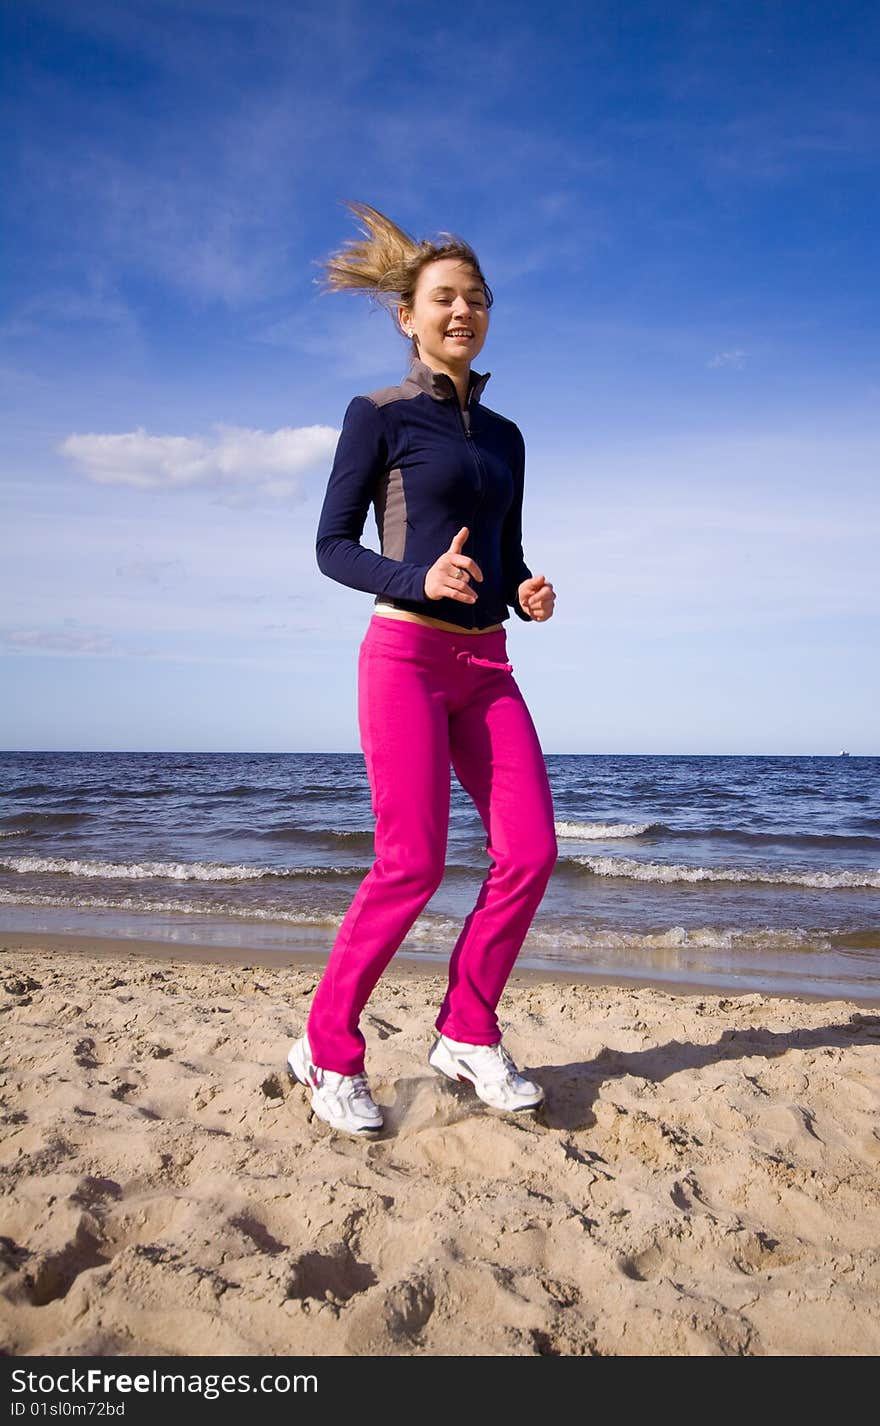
{"x": 703, "y": 1180}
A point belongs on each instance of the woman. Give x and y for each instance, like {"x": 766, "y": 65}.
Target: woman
{"x": 445, "y": 476}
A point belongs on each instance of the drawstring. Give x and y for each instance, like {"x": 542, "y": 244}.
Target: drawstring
{"x": 486, "y": 663}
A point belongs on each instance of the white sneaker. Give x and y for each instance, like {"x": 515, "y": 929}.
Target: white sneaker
{"x": 491, "y": 1071}
{"x": 341, "y": 1100}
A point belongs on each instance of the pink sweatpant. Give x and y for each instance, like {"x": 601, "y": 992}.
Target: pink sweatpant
{"x": 428, "y": 697}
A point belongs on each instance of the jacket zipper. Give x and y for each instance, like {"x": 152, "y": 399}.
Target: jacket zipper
{"x": 469, "y": 437}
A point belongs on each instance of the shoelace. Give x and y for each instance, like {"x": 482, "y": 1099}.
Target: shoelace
{"x": 508, "y": 1060}
{"x": 360, "y": 1089}
{"x": 486, "y": 663}
{"x": 502, "y": 1059}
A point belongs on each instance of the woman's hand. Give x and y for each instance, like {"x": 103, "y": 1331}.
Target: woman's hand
{"x": 449, "y": 577}
{"x": 536, "y": 598}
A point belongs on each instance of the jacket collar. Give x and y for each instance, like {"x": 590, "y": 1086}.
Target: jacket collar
{"x": 441, "y": 386}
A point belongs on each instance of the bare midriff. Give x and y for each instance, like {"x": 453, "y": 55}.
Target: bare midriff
{"x": 386, "y": 612}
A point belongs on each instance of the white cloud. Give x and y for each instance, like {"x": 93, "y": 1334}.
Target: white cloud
{"x": 239, "y": 462}
{"x": 735, "y": 358}
{"x": 68, "y": 641}
{"x": 150, "y": 571}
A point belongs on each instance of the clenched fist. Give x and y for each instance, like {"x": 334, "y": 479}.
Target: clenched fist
{"x": 537, "y": 598}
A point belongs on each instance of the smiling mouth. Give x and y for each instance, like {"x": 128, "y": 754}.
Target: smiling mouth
{"x": 461, "y": 335}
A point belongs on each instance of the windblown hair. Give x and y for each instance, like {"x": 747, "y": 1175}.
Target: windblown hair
{"x": 387, "y": 262}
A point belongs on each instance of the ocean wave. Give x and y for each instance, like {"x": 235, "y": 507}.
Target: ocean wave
{"x": 244, "y": 789}
{"x": 671, "y": 873}
{"x": 89, "y": 791}
{"x": 40, "y": 821}
{"x": 168, "y": 871}
{"x": 209, "y": 871}
{"x": 320, "y": 793}
{"x": 564, "y": 945}
{"x": 303, "y": 917}
{"x": 812, "y": 840}
{"x": 719, "y": 938}
{"x": 109, "y": 792}
{"x": 603, "y": 831}
{"x": 427, "y": 928}
{"x": 312, "y": 835}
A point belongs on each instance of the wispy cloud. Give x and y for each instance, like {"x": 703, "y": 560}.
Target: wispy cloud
{"x": 347, "y": 333}
{"x": 57, "y": 641}
{"x": 239, "y": 462}
{"x": 56, "y": 306}
{"x": 775, "y": 143}
{"x": 213, "y": 225}
{"x": 781, "y": 143}
{"x": 735, "y": 358}
{"x": 151, "y": 571}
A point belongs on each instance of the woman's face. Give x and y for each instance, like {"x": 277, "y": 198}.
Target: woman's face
{"x": 449, "y": 314}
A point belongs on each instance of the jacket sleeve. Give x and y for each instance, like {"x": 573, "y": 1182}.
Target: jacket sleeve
{"x": 512, "y": 562}
{"x": 360, "y": 460}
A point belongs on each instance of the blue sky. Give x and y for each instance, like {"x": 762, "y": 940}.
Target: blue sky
{"x": 676, "y": 206}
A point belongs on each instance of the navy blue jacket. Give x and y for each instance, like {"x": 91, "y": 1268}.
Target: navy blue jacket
{"x": 427, "y": 467}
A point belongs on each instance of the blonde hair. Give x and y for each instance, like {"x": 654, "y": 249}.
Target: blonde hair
{"x": 387, "y": 262}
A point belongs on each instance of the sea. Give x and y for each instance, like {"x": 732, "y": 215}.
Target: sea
{"x": 729, "y": 873}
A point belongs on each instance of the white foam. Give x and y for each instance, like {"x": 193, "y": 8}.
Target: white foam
{"x": 170, "y": 871}
{"x": 568, "y": 946}
{"x": 178, "y": 908}
{"x": 600, "y": 831}
{"x": 714, "y": 938}
{"x": 631, "y": 870}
